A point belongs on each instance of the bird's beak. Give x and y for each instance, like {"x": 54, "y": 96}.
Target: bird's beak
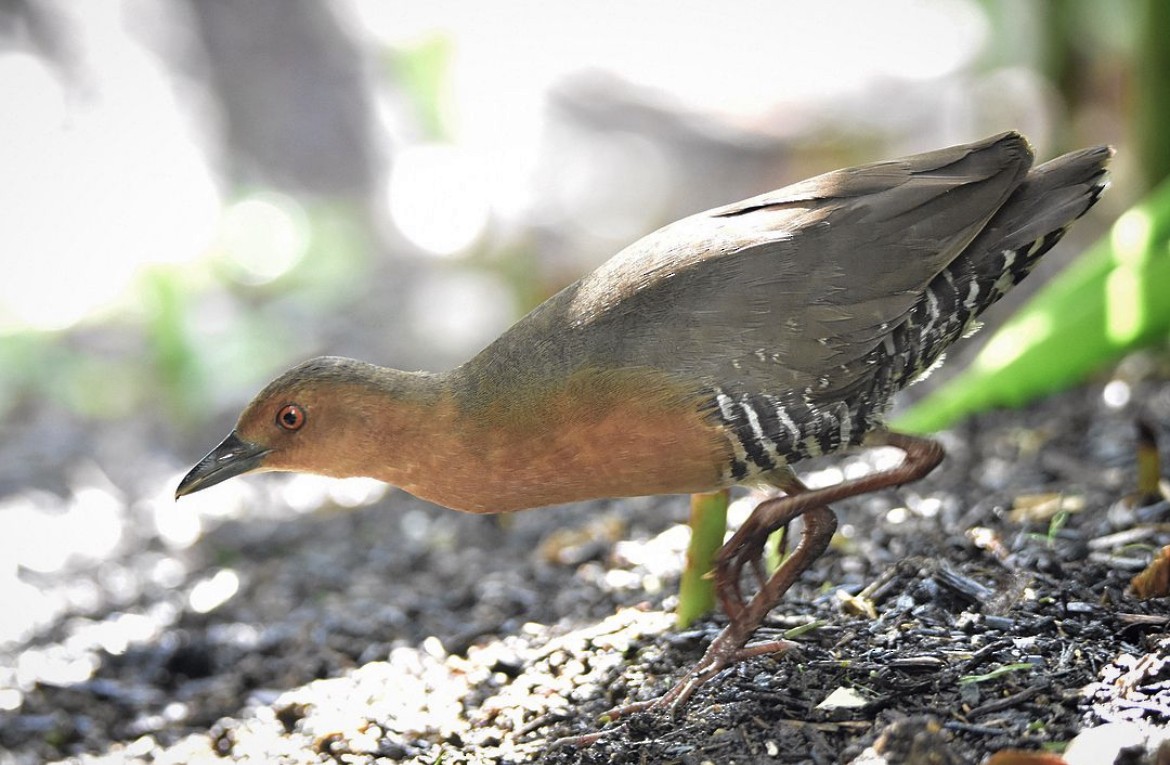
{"x": 233, "y": 457}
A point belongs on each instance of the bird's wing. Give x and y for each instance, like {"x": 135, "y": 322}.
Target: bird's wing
{"x": 786, "y": 287}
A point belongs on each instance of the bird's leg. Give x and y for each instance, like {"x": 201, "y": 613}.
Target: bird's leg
{"x": 728, "y": 647}
{"x": 789, "y": 484}
{"x": 747, "y": 544}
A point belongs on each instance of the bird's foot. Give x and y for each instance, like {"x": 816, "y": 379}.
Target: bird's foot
{"x": 746, "y": 548}
{"x": 726, "y": 650}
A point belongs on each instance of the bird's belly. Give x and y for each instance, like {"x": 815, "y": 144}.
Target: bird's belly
{"x": 630, "y": 449}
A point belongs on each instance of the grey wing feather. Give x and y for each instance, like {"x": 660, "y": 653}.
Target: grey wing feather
{"x": 807, "y": 288}
{"x": 792, "y": 283}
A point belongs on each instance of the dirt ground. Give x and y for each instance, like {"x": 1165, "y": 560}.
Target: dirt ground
{"x": 982, "y": 609}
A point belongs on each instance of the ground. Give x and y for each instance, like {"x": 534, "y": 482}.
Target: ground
{"x": 982, "y": 609}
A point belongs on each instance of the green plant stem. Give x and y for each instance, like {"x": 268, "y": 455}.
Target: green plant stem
{"x": 708, "y": 523}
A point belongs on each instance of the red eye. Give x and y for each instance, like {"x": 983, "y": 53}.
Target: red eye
{"x": 290, "y": 417}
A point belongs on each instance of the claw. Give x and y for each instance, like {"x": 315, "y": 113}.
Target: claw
{"x": 722, "y": 653}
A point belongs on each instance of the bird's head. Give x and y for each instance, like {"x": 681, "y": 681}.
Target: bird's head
{"x": 318, "y": 417}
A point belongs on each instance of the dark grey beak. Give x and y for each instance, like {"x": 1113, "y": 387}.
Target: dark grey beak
{"x": 233, "y": 457}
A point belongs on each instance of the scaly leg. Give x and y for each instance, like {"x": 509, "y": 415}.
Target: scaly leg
{"x": 753, "y": 536}
{"x": 746, "y": 546}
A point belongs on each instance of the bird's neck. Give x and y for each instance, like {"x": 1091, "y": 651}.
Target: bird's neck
{"x": 446, "y": 440}
{"x": 440, "y": 436}
{"x": 392, "y": 424}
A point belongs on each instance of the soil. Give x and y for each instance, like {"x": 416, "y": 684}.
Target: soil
{"x": 283, "y": 619}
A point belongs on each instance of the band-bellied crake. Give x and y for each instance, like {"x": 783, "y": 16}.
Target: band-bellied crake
{"x": 719, "y": 350}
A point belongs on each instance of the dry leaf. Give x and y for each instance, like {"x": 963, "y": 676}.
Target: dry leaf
{"x": 1154, "y": 581}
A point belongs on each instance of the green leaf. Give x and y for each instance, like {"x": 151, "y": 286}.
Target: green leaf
{"x": 1006, "y": 669}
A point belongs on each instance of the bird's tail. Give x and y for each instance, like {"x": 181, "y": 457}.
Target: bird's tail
{"x": 1033, "y": 220}
{"x": 1029, "y": 224}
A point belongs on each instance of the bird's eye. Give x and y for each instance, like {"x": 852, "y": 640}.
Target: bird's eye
{"x": 290, "y": 417}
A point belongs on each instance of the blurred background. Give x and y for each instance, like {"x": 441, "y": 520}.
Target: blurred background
{"x": 196, "y": 195}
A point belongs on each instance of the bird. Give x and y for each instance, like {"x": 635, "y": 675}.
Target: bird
{"x": 718, "y": 351}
